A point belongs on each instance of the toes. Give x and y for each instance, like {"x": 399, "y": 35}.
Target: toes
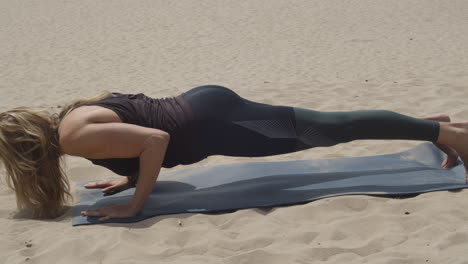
{"x": 452, "y": 155}
{"x": 444, "y": 164}
{"x": 451, "y": 161}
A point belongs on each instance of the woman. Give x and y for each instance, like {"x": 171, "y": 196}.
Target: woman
{"x": 135, "y": 135}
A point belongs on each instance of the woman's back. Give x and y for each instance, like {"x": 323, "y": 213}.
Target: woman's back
{"x": 169, "y": 114}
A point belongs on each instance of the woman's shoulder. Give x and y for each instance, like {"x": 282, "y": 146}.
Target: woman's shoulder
{"x": 84, "y": 115}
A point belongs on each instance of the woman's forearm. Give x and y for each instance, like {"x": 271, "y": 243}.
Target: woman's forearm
{"x": 151, "y": 160}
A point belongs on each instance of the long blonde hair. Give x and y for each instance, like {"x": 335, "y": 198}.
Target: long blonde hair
{"x": 30, "y": 152}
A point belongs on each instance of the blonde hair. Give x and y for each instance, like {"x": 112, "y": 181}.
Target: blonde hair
{"x": 30, "y": 152}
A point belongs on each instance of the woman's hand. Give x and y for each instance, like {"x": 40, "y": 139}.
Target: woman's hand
{"x": 111, "y": 186}
{"x": 112, "y": 211}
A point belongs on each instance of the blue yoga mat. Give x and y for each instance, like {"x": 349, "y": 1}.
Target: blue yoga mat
{"x": 225, "y": 188}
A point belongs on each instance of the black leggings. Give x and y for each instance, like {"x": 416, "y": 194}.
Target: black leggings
{"x": 227, "y": 124}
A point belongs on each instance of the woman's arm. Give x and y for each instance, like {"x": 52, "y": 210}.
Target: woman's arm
{"x": 121, "y": 140}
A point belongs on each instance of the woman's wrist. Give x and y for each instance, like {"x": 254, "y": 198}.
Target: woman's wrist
{"x": 142, "y": 191}
{"x": 134, "y": 208}
{"x": 132, "y": 179}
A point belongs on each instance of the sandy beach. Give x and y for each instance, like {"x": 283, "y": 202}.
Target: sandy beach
{"x": 406, "y": 56}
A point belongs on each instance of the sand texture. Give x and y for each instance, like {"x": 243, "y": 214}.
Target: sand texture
{"x": 405, "y": 56}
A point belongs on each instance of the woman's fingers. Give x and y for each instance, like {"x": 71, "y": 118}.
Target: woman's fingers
{"x": 118, "y": 185}
{"x": 108, "y": 189}
{"x": 112, "y": 211}
{"x": 115, "y": 187}
{"x": 96, "y": 212}
{"x": 105, "y": 218}
{"x": 100, "y": 184}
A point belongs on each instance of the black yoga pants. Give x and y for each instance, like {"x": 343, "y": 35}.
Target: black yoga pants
{"x": 227, "y": 124}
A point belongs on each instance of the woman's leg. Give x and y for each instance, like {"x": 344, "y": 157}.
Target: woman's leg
{"x": 227, "y": 124}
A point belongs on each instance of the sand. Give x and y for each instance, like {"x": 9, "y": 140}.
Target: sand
{"x": 406, "y": 56}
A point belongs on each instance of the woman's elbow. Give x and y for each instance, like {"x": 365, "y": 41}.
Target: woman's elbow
{"x": 155, "y": 144}
{"x": 161, "y": 138}
{"x": 166, "y": 137}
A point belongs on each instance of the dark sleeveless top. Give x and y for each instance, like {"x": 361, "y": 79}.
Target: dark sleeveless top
{"x": 172, "y": 115}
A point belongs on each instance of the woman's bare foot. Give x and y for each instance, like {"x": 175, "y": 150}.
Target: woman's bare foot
{"x": 452, "y": 155}
{"x": 461, "y": 144}
{"x": 455, "y": 135}
{"x": 110, "y": 186}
